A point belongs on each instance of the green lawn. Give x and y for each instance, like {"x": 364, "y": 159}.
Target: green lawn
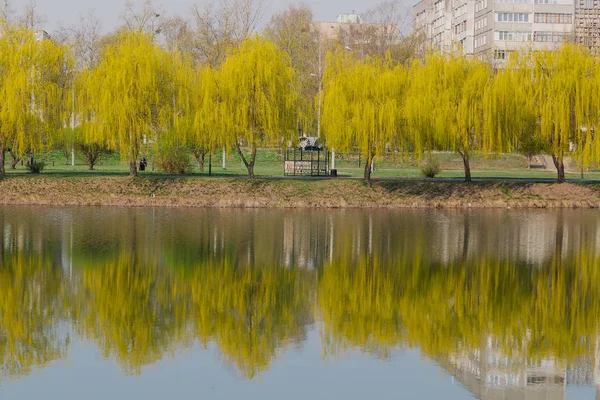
{"x": 270, "y": 163}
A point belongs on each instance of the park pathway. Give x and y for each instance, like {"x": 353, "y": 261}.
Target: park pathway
{"x": 549, "y": 163}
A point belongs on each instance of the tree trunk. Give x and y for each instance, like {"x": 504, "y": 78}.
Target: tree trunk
{"x": 2, "y": 152}
{"x": 249, "y": 164}
{"x": 91, "y": 165}
{"x": 133, "y": 168}
{"x": 467, "y": 165}
{"x": 559, "y": 163}
{"x": 1, "y": 238}
{"x": 367, "y": 174}
{"x": 200, "y": 160}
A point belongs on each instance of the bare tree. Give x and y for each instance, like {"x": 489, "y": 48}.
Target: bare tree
{"x": 30, "y": 18}
{"x": 219, "y": 26}
{"x": 6, "y": 11}
{"x": 247, "y": 15}
{"x": 293, "y": 31}
{"x": 384, "y": 29}
{"x": 392, "y": 13}
{"x": 145, "y": 16}
{"x": 178, "y": 35}
{"x": 84, "y": 39}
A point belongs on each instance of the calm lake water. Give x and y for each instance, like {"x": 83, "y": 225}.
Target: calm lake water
{"x": 100, "y": 303}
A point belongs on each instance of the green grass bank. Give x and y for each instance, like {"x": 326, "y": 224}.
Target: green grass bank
{"x": 224, "y": 192}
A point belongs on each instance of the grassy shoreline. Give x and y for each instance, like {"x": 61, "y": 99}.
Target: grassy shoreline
{"x": 165, "y": 191}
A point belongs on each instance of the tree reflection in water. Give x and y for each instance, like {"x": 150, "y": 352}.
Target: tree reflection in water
{"x": 143, "y": 285}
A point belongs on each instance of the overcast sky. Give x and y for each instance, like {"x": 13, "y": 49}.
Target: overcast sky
{"x": 68, "y": 12}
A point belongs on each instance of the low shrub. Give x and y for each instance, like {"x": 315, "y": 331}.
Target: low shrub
{"x": 173, "y": 158}
{"x": 36, "y": 167}
{"x": 431, "y": 168}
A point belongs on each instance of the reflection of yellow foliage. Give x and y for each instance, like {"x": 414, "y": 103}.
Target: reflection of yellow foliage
{"x": 529, "y": 313}
{"x": 360, "y": 307}
{"x": 131, "y": 310}
{"x": 30, "y": 310}
{"x": 137, "y": 312}
{"x": 250, "y": 312}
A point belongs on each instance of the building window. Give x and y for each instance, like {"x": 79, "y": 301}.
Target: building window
{"x": 564, "y": 2}
{"x": 550, "y": 18}
{"x": 480, "y": 5}
{"x": 510, "y": 36}
{"x": 482, "y": 23}
{"x": 512, "y": 17}
{"x": 480, "y": 41}
{"x": 501, "y": 54}
{"x": 460, "y": 10}
{"x": 460, "y": 28}
{"x": 515, "y": 1}
{"x": 551, "y": 37}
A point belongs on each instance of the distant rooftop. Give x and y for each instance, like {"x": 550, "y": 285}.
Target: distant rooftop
{"x": 349, "y": 18}
{"x": 41, "y": 35}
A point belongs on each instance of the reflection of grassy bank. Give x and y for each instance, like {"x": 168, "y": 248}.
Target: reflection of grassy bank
{"x": 287, "y": 193}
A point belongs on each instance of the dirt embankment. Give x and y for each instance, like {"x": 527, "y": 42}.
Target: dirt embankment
{"x": 286, "y": 193}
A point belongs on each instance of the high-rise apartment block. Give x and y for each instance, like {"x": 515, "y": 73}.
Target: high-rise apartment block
{"x": 587, "y": 24}
{"x": 491, "y": 29}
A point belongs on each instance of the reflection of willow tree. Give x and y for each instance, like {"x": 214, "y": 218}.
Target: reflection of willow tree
{"x": 138, "y": 312}
{"x": 359, "y": 306}
{"x": 527, "y": 313}
{"x": 249, "y": 312}
{"x": 31, "y": 305}
{"x": 131, "y": 310}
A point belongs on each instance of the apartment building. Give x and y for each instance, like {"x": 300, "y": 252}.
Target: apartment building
{"x": 587, "y": 24}
{"x": 491, "y": 29}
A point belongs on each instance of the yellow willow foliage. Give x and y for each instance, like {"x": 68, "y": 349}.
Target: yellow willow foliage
{"x": 198, "y": 115}
{"x": 210, "y": 121}
{"x": 186, "y": 85}
{"x": 256, "y": 86}
{"x": 32, "y": 95}
{"x": 567, "y": 102}
{"x": 131, "y": 310}
{"x": 509, "y": 115}
{"x": 362, "y": 105}
{"x": 129, "y": 94}
{"x": 444, "y": 105}
{"x": 249, "y": 312}
{"x": 31, "y": 307}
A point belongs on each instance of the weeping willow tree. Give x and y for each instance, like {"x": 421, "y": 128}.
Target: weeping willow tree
{"x": 510, "y": 122}
{"x": 32, "y": 95}
{"x": 129, "y": 95}
{"x": 362, "y": 106}
{"x": 209, "y": 125}
{"x": 199, "y": 121}
{"x": 445, "y": 107}
{"x": 259, "y": 103}
{"x": 564, "y": 85}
